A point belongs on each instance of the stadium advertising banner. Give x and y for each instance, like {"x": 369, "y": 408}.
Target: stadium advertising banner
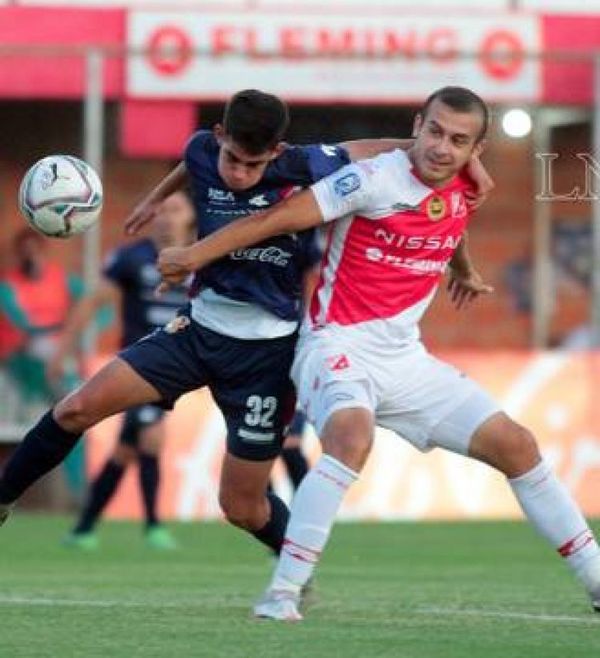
{"x": 313, "y": 57}
{"x": 552, "y": 393}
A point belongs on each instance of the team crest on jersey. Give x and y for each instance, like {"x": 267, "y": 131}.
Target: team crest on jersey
{"x": 346, "y": 184}
{"x": 177, "y": 324}
{"x": 436, "y": 208}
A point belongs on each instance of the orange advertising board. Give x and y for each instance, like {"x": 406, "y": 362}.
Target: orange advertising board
{"x": 552, "y": 393}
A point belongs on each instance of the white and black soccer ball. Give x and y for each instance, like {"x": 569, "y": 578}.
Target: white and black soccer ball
{"x": 61, "y": 196}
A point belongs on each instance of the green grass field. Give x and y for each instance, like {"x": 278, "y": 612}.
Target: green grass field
{"x": 476, "y": 590}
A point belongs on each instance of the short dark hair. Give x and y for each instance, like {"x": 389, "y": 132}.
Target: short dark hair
{"x": 460, "y": 99}
{"x": 256, "y": 121}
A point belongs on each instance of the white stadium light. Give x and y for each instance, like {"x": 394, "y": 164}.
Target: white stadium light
{"x": 516, "y": 123}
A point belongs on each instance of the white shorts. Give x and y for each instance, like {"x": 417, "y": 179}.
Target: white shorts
{"x": 422, "y": 399}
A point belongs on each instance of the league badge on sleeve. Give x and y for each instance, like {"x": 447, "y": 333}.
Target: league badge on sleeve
{"x": 346, "y": 184}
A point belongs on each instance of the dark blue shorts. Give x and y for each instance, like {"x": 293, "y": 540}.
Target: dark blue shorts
{"x": 136, "y": 419}
{"x": 249, "y": 380}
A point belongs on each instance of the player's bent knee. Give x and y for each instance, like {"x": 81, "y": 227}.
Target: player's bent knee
{"x": 72, "y": 413}
{"x": 523, "y": 450}
{"x": 507, "y": 446}
{"x": 348, "y": 437}
{"x": 241, "y": 516}
{"x": 243, "y": 512}
{"x": 352, "y": 451}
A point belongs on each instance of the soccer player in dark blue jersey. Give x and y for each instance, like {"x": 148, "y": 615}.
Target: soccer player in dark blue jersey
{"x": 128, "y": 282}
{"x": 239, "y": 336}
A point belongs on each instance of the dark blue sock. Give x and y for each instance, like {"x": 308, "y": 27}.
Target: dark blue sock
{"x": 273, "y": 533}
{"x": 102, "y": 490}
{"x": 43, "y": 448}
{"x": 296, "y": 465}
{"x": 149, "y": 481}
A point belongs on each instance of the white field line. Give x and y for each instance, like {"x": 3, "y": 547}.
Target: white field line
{"x": 587, "y": 620}
{"x": 590, "y": 619}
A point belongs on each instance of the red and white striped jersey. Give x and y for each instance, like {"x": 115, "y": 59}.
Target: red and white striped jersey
{"x": 389, "y": 248}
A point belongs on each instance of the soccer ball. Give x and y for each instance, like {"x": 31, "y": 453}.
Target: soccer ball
{"x": 61, "y": 196}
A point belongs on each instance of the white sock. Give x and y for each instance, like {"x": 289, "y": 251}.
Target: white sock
{"x": 312, "y": 514}
{"x": 551, "y": 509}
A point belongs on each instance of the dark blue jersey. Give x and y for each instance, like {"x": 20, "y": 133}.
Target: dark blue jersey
{"x": 133, "y": 270}
{"x": 268, "y": 274}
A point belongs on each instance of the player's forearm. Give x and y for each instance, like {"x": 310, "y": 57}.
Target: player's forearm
{"x": 461, "y": 259}
{"x": 362, "y": 149}
{"x": 295, "y": 214}
{"x": 174, "y": 181}
{"x": 480, "y": 176}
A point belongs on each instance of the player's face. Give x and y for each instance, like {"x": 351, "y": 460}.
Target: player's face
{"x": 445, "y": 140}
{"x": 241, "y": 170}
{"x": 174, "y": 223}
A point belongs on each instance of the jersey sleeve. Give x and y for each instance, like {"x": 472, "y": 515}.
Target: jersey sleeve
{"x": 349, "y": 190}
{"x": 324, "y": 159}
{"x": 305, "y": 165}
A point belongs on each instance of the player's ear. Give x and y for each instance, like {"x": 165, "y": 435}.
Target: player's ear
{"x": 417, "y": 125}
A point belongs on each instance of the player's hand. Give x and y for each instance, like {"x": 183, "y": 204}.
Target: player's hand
{"x": 142, "y": 214}
{"x": 478, "y": 173}
{"x": 466, "y": 287}
{"x": 174, "y": 266}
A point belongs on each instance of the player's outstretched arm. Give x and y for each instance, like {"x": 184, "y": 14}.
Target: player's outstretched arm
{"x": 295, "y": 214}
{"x": 145, "y": 211}
{"x": 465, "y": 283}
{"x": 363, "y": 149}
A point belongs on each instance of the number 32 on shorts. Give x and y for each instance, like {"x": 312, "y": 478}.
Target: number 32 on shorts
{"x": 260, "y": 411}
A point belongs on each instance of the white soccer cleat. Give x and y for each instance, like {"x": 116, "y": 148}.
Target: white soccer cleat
{"x": 4, "y": 512}
{"x": 595, "y": 599}
{"x": 280, "y": 605}
{"x": 591, "y": 578}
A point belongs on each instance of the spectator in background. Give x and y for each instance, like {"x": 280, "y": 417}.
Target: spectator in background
{"x": 128, "y": 282}
{"x": 36, "y": 296}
